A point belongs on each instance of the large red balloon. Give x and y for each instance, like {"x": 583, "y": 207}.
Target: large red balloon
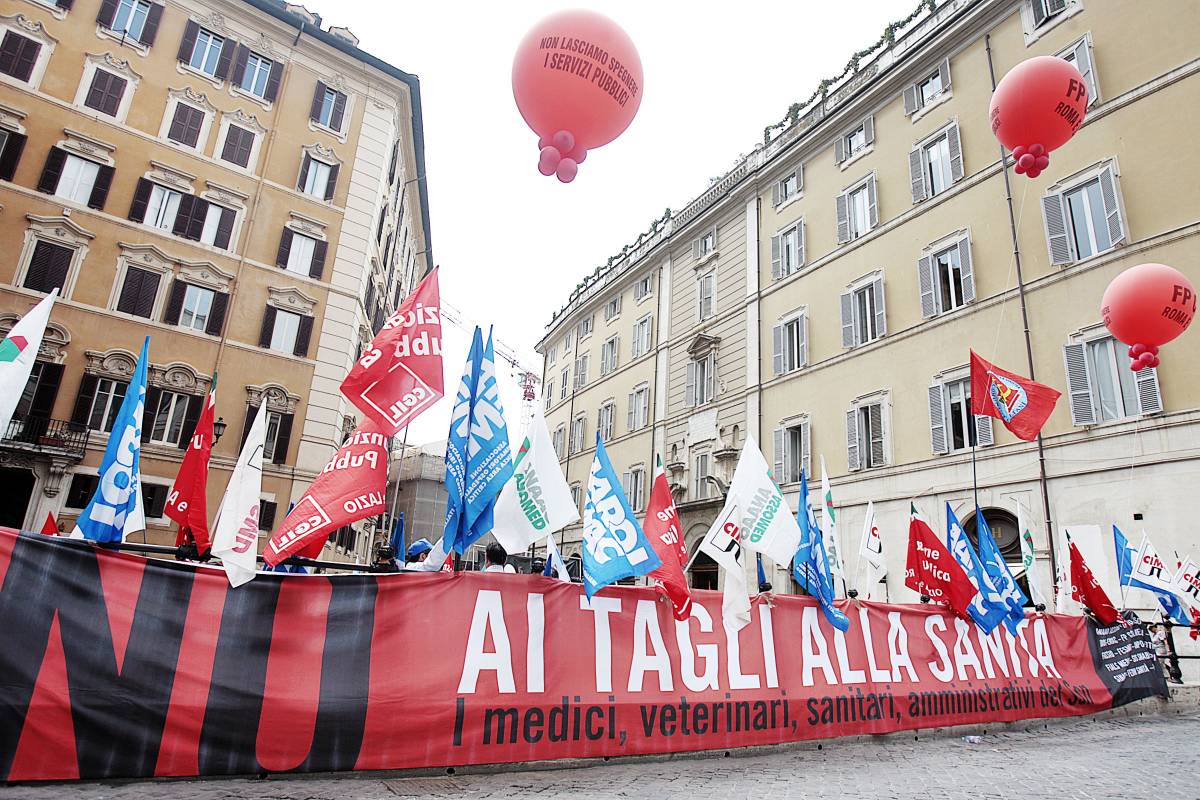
{"x": 577, "y": 72}
{"x": 1041, "y": 101}
{"x": 1149, "y": 304}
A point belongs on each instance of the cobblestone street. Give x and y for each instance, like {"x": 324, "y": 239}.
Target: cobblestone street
{"x": 1085, "y": 759}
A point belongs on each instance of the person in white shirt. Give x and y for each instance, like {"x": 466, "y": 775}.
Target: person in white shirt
{"x": 424, "y": 557}
{"x": 497, "y": 559}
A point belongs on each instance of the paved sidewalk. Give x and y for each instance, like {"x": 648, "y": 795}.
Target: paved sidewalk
{"x": 1112, "y": 758}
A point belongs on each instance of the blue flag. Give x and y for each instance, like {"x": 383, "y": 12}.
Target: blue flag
{"x": 988, "y": 609}
{"x": 810, "y": 566}
{"x": 1001, "y": 576}
{"x": 112, "y": 508}
{"x": 1126, "y": 553}
{"x": 398, "y": 535}
{"x": 762, "y": 573}
{"x": 478, "y": 458}
{"x": 614, "y": 545}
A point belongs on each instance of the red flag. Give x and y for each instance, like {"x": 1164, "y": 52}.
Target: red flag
{"x": 400, "y": 374}
{"x": 351, "y": 487}
{"x": 1021, "y": 404}
{"x": 1087, "y": 590}
{"x": 50, "y": 528}
{"x": 933, "y": 571}
{"x": 662, "y": 529}
{"x": 187, "y": 503}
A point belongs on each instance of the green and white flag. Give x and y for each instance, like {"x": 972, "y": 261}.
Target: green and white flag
{"x": 765, "y": 522}
{"x": 18, "y": 351}
{"x": 833, "y": 544}
{"x": 536, "y": 501}
{"x": 1029, "y": 556}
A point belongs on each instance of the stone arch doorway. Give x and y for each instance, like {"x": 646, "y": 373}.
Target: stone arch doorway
{"x": 704, "y": 572}
{"x": 17, "y": 491}
{"x": 1005, "y": 530}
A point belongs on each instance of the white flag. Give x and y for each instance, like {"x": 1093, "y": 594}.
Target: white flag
{"x": 1150, "y": 570}
{"x": 18, "y": 351}
{"x": 554, "y": 560}
{"x": 870, "y": 549}
{"x": 722, "y": 545}
{"x": 765, "y": 521}
{"x": 235, "y": 535}
{"x": 833, "y": 544}
{"x": 1186, "y": 585}
{"x": 1029, "y": 556}
{"x": 1063, "y": 602}
{"x": 536, "y": 501}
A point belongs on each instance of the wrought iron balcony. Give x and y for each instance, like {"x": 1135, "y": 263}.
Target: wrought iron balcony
{"x": 51, "y": 436}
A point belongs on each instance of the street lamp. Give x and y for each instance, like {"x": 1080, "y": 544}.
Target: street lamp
{"x": 219, "y": 429}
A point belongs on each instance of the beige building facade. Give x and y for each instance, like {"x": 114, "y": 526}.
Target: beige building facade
{"x": 230, "y": 178}
{"x": 823, "y": 296}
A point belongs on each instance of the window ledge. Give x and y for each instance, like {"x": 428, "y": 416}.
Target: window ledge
{"x": 121, "y": 39}
{"x": 942, "y": 97}
{"x": 789, "y": 201}
{"x": 313, "y": 125}
{"x": 188, "y": 69}
{"x": 237, "y": 91}
{"x": 705, "y": 259}
{"x": 55, "y": 11}
{"x": 1033, "y": 35}
{"x": 866, "y": 151}
{"x": 643, "y": 299}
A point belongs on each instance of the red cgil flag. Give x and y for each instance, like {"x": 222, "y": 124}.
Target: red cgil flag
{"x": 1087, "y": 590}
{"x": 662, "y": 529}
{"x": 933, "y": 571}
{"x": 187, "y": 503}
{"x": 1021, "y": 404}
{"x": 352, "y": 486}
{"x": 50, "y": 528}
{"x": 400, "y": 374}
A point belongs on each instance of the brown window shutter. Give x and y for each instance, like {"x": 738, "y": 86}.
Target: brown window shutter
{"x": 84, "y": 400}
{"x": 304, "y": 166}
{"x": 141, "y": 200}
{"x": 238, "y": 142}
{"x": 149, "y": 411}
{"x": 183, "y": 215}
{"x": 225, "y": 62}
{"x": 317, "y": 268}
{"x": 339, "y": 111}
{"x": 188, "y": 43}
{"x": 303, "y": 336}
{"x": 268, "y": 327}
{"x": 66, "y": 5}
{"x": 216, "y": 316}
{"x": 314, "y": 111}
{"x": 199, "y": 215}
{"x": 285, "y": 248}
{"x": 150, "y": 29}
{"x": 224, "y": 229}
{"x": 273, "y": 81}
{"x": 48, "y": 267}
{"x": 266, "y": 515}
{"x": 175, "y": 303}
{"x": 18, "y": 55}
{"x": 42, "y": 406}
{"x": 138, "y": 292}
{"x": 11, "y": 156}
{"x": 108, "y": 12}
{"x": 178, "y": 130}
{"x": 283, "y": 439}
{"x": 251, "y": 411}
{"x": 55, "y": 160}
{"x": 331, "y": 185}
{"x": 100, "y": 188}
{"x": 195, "y": 406}
{"x": 240, "y": 58}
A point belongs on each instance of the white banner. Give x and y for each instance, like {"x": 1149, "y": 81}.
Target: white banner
{"x": 235, "y": 537}
{"x": 1187, "y": 583}
{"x": 722, "y": 544}
{"x": 764, "y": 520}
{"x": 536, "y": 501}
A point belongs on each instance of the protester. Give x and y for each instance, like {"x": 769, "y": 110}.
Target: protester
{"x": 1162, "y": 649}
{"x": 497, "y": 559}
{"x": 385, "y": 560}
{"x": 418, "y": 551}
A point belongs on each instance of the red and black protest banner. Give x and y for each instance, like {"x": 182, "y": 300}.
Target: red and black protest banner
{"x": 116, "y": 666}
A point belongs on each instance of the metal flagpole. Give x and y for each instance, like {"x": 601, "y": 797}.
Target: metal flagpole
{"x": 396, "y": 493}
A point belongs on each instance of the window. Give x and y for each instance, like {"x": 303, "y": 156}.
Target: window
{"x": 106, "y": 404}
{"x": 218, "y": 226}
{"x": 168, "y": 417}
{"x": 206, "y": 54}
{"x": 283, "y": 336}
{"x": 706, "y": 290}
{"x": 317, "y": 178}
{"x": 1102, "y": 387}
{"x": 163, "y": 207}
{"x": 863, "y": 317}
{"x": 609, "y": 352}
{"x": 105, "y": 93}
{"x": 300, "y": 255}
{"x": 329, "y": 109}
{"x": 12, "y": 144}
{"x": 952, "y": 425}
{"x": 864, "y": 436}
{"x": 859, "y": 218}
{"x": 635, "y": 487}
{"x": 612, "y": 308}
{"x": 706, "y": 244}
{"x": 560, "y": 437}
{"x": 929, "y": 90}
{"x": 186, "y": 125}
{"x": 139, "y": 292}
{"x": 936, "y": 164}
{"x": 605, "y": 422}
{"x": 854, "y": 142}
{"x": 548, "y": 394}
{"x": 565, "y": 388}
{"x": 576, "y": 494}
{"x": 48, "y": 266}
{"x": 197, "y": 305}
{"x": 1080, "y": 56}
{"x": 946, "y": 279}
{"x": 578, "y": 426}
{"x": 701, "y": 380}
{"x": 239, "y": 143}
{"x": 789, "y": 340}
{"x": 701, "y": 487}
{"x": 787, "y": 188}
{"x": 642, "y": 330}
{"x": 256, "y": 74}
{"x": 551, "y": 356}
{"x": 1084, "y": 219}
{"x": 567, "y": 343}
{"x": 1085, "y": 215}
{"x": 78, "y": 179}
{"x": 639, "y": 408}
{"x": 585, "y": 327}
{"x": 643, "y": 287}
{"x": 787, "y": 251}
{"x": 792, "y": 447}
{"x": 18, "y": 55}
{"x": 1045, "y": 10}
{"x": 130, "y": 18}
{"x": 581, "y": 370}
{"x": 81, "y": 491}
{"x": 274, "y": 423}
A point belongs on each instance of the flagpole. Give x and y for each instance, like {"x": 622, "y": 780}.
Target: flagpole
{"x": 391, "y": 528}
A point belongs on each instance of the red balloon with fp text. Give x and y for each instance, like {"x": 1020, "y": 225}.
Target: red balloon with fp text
{"x": 1041, "y": 101}
{"x": 1149, "y": 305}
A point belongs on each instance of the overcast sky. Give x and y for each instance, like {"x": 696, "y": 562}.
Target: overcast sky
{"x": 512, "y": 244}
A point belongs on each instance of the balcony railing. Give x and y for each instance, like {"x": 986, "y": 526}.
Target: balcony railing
{"x": 54, "y": 436}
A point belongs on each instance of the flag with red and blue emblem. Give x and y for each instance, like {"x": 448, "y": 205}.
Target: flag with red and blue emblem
{"x": 1023, "y": 405}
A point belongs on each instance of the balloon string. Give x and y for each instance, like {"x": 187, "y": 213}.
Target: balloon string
{"x": 1012, "y": 266}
